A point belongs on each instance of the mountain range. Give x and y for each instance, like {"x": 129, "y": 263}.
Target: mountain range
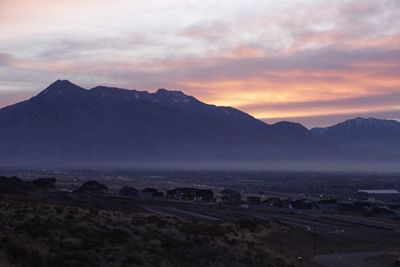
{"x": 68, "y": 123}
{"x": 374, "y": 137}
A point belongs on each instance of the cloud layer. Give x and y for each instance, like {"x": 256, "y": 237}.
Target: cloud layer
{"x": 314, "y": 62}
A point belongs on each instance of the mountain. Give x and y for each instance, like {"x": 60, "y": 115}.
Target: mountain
{"x": 72, "y": 125}
{"x": 69, "y": 123}
{"x": 370, "y": 136}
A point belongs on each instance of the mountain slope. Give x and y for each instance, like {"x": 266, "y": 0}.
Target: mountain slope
{"x": 376, "y": 137}
{"x": 67, "y": 122}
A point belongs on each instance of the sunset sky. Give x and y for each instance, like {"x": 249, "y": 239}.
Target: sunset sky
{"x": 312, "y": 61}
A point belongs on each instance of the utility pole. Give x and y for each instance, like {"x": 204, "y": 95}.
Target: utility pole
{"x": 315, "y": 239}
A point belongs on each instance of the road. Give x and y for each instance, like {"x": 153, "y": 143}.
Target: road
{"x": 324, "y": 224}
{"x": 327, "y": 225}
{"x": 309, "y": 224}
{"x": 178, "y": 213}
{"x": 364, "y": 221}
{"x": 353, "y": 259}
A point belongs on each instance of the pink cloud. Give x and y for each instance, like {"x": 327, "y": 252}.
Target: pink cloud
{"x": 285, "y": 55}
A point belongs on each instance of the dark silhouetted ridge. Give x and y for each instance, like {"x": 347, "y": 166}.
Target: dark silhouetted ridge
{"x": 378, "y": 137}
{"x": 62, "y": 88}
{"x": 68, "y": 123}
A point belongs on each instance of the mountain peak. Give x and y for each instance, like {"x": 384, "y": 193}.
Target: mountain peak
{"x": 288, "y": 126}
{"x": 61, "y": 87}
{"x": 172, "y": 97}
{"x": 368, "y": 122}
{"x": 354, "y": 130}
{"x": 362, "y": 119}
{"x": 59, "y": 81}
{"x": 164, "y": 91}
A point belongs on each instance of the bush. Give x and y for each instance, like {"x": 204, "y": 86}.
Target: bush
{"x": 21, "y": 256}
{"x": 248, "y": 225}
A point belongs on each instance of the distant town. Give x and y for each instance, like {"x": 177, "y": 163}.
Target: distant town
{"x": 366, "y": 195}
{"x": 313, "y": 214}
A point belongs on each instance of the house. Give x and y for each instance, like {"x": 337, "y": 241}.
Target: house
{"x": 186, "y": 193}
{"x": 353, "y": 207}
{"x": 147, "y": 193}
{"x": 158, "y": 194}
{"x": 14, "y": 185}
{"x": 149, "y": 190}
{"x": 273, "y": 202}
{"x": 231, "y": 196}
{"x": 183, "y": 193}
{"x": 171, "y": 194}
{"x": 328, "y": 206}
{"x": 205, "y": 195}
{"x": 128, "y": 191}
{"x": 372, "y": 195}
{"x": 44, "y": 183}
{"x": 302, "y": 204}
{"x": 381, "y": 211}
{"x": 393, "y": 206}
{"x": 92, "y": 187}
{"x": 253, "y": 200}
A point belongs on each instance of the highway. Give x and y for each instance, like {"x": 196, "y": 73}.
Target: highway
{"x": 353, "y": 259}
{"x": 177, "y": 213}
{"x": 325, "y": 225}
{"x": 364, "y": 221}
{"x": 309, "y": 224}
{"x": 306, "y": 222}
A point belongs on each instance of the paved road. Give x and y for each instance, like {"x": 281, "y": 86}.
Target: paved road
{"x": 353, "y": 259}
{"x": 309, "y": 224}
{"x": 364, "y": 221}
{"x": 178, "y": 213}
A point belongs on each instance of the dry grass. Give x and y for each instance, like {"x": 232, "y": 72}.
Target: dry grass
{"x": 34, "y": 234}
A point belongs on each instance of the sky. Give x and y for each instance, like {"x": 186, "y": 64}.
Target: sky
{"x": 316, "y": 62}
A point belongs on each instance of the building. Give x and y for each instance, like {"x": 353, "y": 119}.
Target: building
{"x": 302, "y": 204}
{"x": 187, "y": 193}
{"x": 384, "y": 195}
{"x": 328, "y": 206}
{"x": 205, "y": 195}
{"x": 147, "y": 193}
{"x": 273, "y": 202}
{"x": 92, "y": 187}
{"x": 253, "y": 200}
{"x": 128, "y": 191}
{"x": 231, "y": 196}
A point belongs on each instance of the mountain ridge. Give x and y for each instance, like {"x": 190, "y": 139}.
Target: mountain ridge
{"x": 68, "y": 122}
{"x": 372, "y": 135}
